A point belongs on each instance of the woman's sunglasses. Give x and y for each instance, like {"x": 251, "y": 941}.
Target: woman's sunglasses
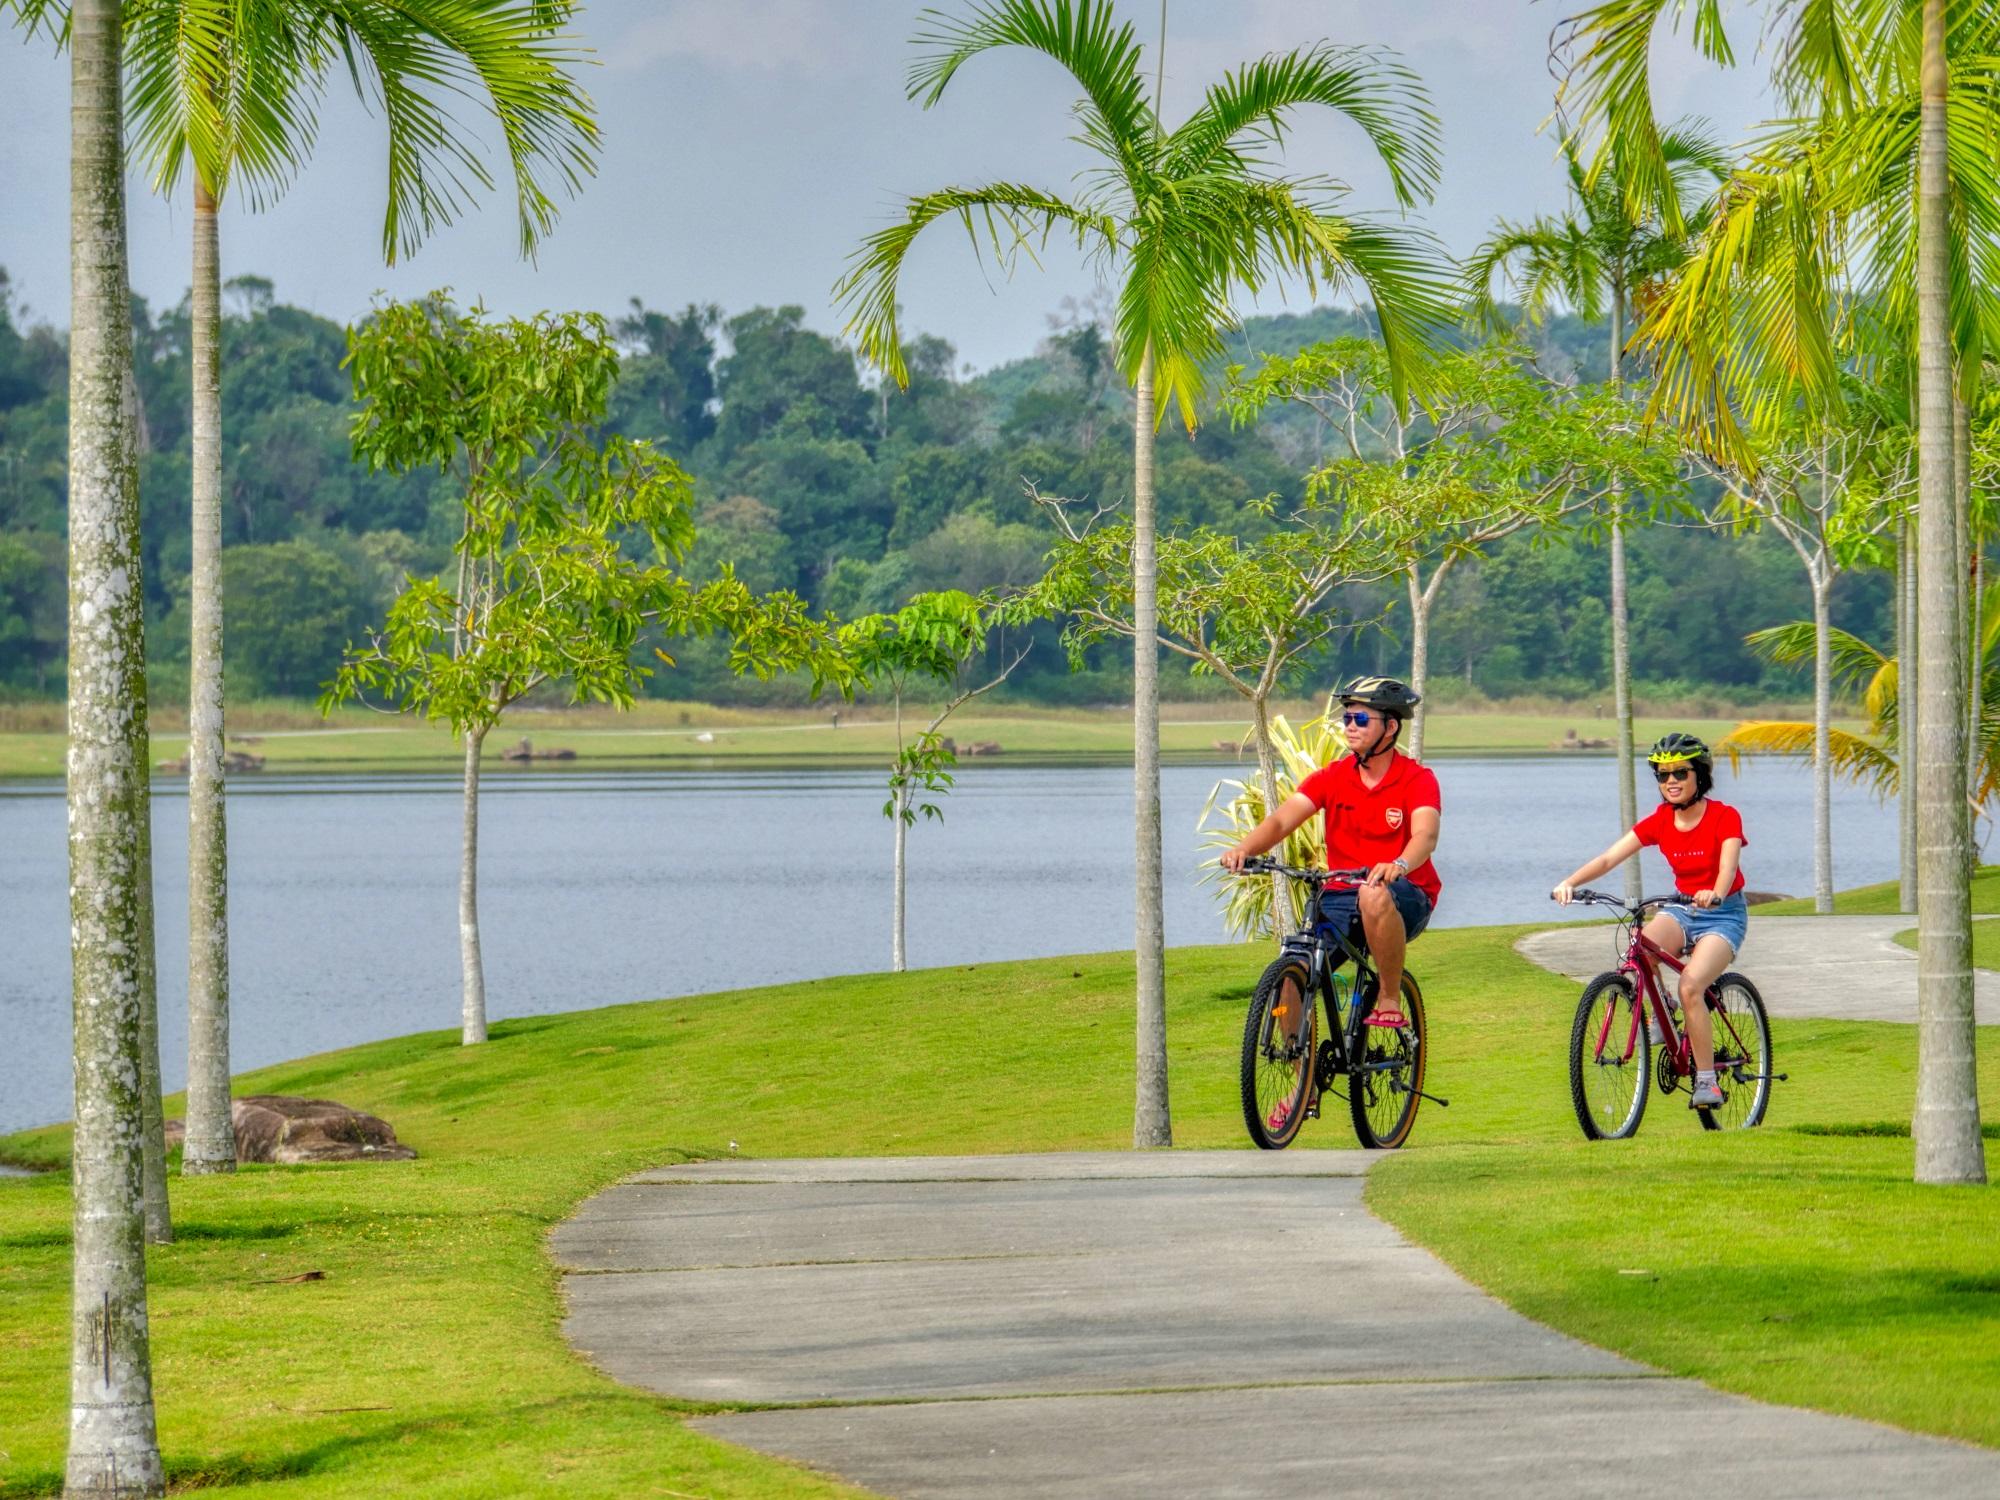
{"x": 1675, "y": 773}
{"x": 1358, "y": 717}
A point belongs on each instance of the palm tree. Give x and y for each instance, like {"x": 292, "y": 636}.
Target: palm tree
{"x": 113, "y": 1448}
{"x": 1595, "y": 258}
{"x": 227, "y": 93}
{"x": 1187, "y": 217}
{"x": 1876, "y": 138}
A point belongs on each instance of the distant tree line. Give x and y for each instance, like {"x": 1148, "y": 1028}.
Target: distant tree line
{"x": 856, "y": 494}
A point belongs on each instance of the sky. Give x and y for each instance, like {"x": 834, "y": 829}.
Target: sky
{"x": 750, "y": 145}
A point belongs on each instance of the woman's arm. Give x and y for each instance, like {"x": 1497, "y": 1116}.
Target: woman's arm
{"x": 1273, "y": 831}
{"x": 1725, "y": 874}
{"x": 1610, "y": 859}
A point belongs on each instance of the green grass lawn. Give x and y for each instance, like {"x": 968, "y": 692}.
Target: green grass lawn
{"x": 1786, "y": 1262}
{"x": 1881, "y": 900}
{"x": 657, "y": 735}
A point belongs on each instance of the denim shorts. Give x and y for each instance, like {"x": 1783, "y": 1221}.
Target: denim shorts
{"x": 1340, "y": 908}
{"x": 1728, "y": 919}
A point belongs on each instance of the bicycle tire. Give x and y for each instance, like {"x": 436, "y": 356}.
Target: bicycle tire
{"x": 1594, "y": 1091}
{"x": 1385, "y": 1112}
{"x": 1269, "y": 1078}
{"x": 1742, "y": 1055}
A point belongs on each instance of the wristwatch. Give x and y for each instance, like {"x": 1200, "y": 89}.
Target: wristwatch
{"x": 1402, "y": 864}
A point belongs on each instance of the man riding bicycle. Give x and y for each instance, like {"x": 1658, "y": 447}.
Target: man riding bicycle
{"x": 1381, "y": 812}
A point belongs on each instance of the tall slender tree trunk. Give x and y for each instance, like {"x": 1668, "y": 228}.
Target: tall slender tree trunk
{"x": 897, "y": 958}
{"x": 1822, "y": 592}
{"x": 113, "y": 1447}
{"x": 1621, "y": 628}
{"x": 153, "y": 1157}
{"x": 1945, "y": 1127}
{"x": 1968, "y": 575}
{"x": 1906, "y": 712}
{"x": 1420, "y": 659}
{"x": 1267, "y": 770}
{"x": 211, "y": 1139}
{"x": 1152, "y": 1121}
{"x": 473, "y": 975}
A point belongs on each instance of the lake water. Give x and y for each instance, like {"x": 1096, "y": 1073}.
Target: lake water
{"x": 602, "y": 888}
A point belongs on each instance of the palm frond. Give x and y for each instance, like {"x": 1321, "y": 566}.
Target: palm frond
{"x": 1855, "y": 758}
{"x": 1008, "y": 218}
{"x": 1082, "y": 36}
{"x": 1371, "y": 87}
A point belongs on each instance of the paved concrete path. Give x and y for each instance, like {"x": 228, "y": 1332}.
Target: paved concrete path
{"x": 1838, "y": 968}
{"x": 1127, "y": 1324}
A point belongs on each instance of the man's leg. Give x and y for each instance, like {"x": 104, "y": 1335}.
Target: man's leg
{"x": 1387, "y": 943}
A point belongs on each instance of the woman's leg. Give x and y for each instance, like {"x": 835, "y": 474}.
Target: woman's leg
{"x": 1704, "y": 966}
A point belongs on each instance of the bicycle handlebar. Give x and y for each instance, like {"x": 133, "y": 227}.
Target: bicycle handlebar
{"x": 1263, "y": 864}
{"x": 1600, "y": 898}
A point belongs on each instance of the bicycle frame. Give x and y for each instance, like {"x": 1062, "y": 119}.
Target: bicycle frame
{"x": 1322, "y": 952}
{"x": 1642, "y": 960}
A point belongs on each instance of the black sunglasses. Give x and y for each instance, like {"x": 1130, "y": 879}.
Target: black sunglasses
{"x": 1675, "y": 773}
{"x": 1358, "y": 717}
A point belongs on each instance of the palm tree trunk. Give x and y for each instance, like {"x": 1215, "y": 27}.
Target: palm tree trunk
{"x": 897, "y": 960}
{"x": 1822, "y": 590}
{"x": 211, "y": 1139}
{"x": 153, "y": 1141}
{"x": 1961, "y": 494}
{"x": 473, "y": 976}
{"x": 1621, "y": 627}
{"x": 1945, "y": 1127}
{"x": 1906, "y": 712}
{"x": 113, "y": 1447}
{"x": 1267, "y": 769}
{"x": 1152, "y": 1121}
{"x": 153, "y": 1155}
{"x": 1420, "y": 659}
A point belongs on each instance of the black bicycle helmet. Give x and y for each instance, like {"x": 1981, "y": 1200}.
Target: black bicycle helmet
{"x": 1386, "y": 694}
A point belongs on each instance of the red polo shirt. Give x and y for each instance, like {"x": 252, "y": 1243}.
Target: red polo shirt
{"x": 1368, "y": 826}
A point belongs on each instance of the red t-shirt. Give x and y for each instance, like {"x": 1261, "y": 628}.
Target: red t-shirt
{"x": 1368, "y": 826}
{"x": 1694, "y": 854}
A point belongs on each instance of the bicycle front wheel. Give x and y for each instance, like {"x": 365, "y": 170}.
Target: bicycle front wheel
{"x": 1382, "y": 1086}
{"x": 1742, "y": 1055}
{"x": 1278, "y": 1038}
{"x": 1609, "y": 1060}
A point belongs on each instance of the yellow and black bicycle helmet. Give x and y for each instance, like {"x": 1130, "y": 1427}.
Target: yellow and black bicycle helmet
{"x": 1678, "y": 748}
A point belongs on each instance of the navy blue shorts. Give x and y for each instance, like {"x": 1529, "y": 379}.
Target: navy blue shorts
{"x": 1340, "y": 909}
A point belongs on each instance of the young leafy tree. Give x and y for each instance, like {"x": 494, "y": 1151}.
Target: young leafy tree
{"x": 227, "y": 91}
{"x": 545, "y": 589}
{"x": 1597, "y": 257}
{"x": 1185, "y": 219}
{"x": 1247, "y": 612}
{"x": 113, "y": 1446}
{"x": 1831, "y": 487}
{"x": 937, "y": 639}
{"x": 1498, "y": 450}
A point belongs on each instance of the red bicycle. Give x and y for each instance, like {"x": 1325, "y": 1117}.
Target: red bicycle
{"x": 1611, "y": 1056}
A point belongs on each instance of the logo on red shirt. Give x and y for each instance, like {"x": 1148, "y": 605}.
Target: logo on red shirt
{"x": 1395, "y": 817}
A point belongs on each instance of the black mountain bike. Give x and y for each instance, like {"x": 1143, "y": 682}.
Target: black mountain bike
{"x": 1287, "y": 1066}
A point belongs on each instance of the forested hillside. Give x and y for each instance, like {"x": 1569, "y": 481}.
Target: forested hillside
{"x": 816, "y": 479}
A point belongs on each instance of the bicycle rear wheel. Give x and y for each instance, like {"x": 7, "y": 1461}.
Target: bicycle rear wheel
{"x": 1278, "y": 1038}
{"x": 1607, "y": 1087}
{"x": 1382, "y": 1087}
{"x": 1742, "y": 1056}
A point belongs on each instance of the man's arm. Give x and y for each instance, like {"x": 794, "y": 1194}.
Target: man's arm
{"x": 1273, "y": 831}
{"x": 1423, "y": 843}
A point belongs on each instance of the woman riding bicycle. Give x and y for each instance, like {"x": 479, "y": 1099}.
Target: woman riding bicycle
{"x": 1702, "y": 840}
{"x": 1382, "y": 816}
